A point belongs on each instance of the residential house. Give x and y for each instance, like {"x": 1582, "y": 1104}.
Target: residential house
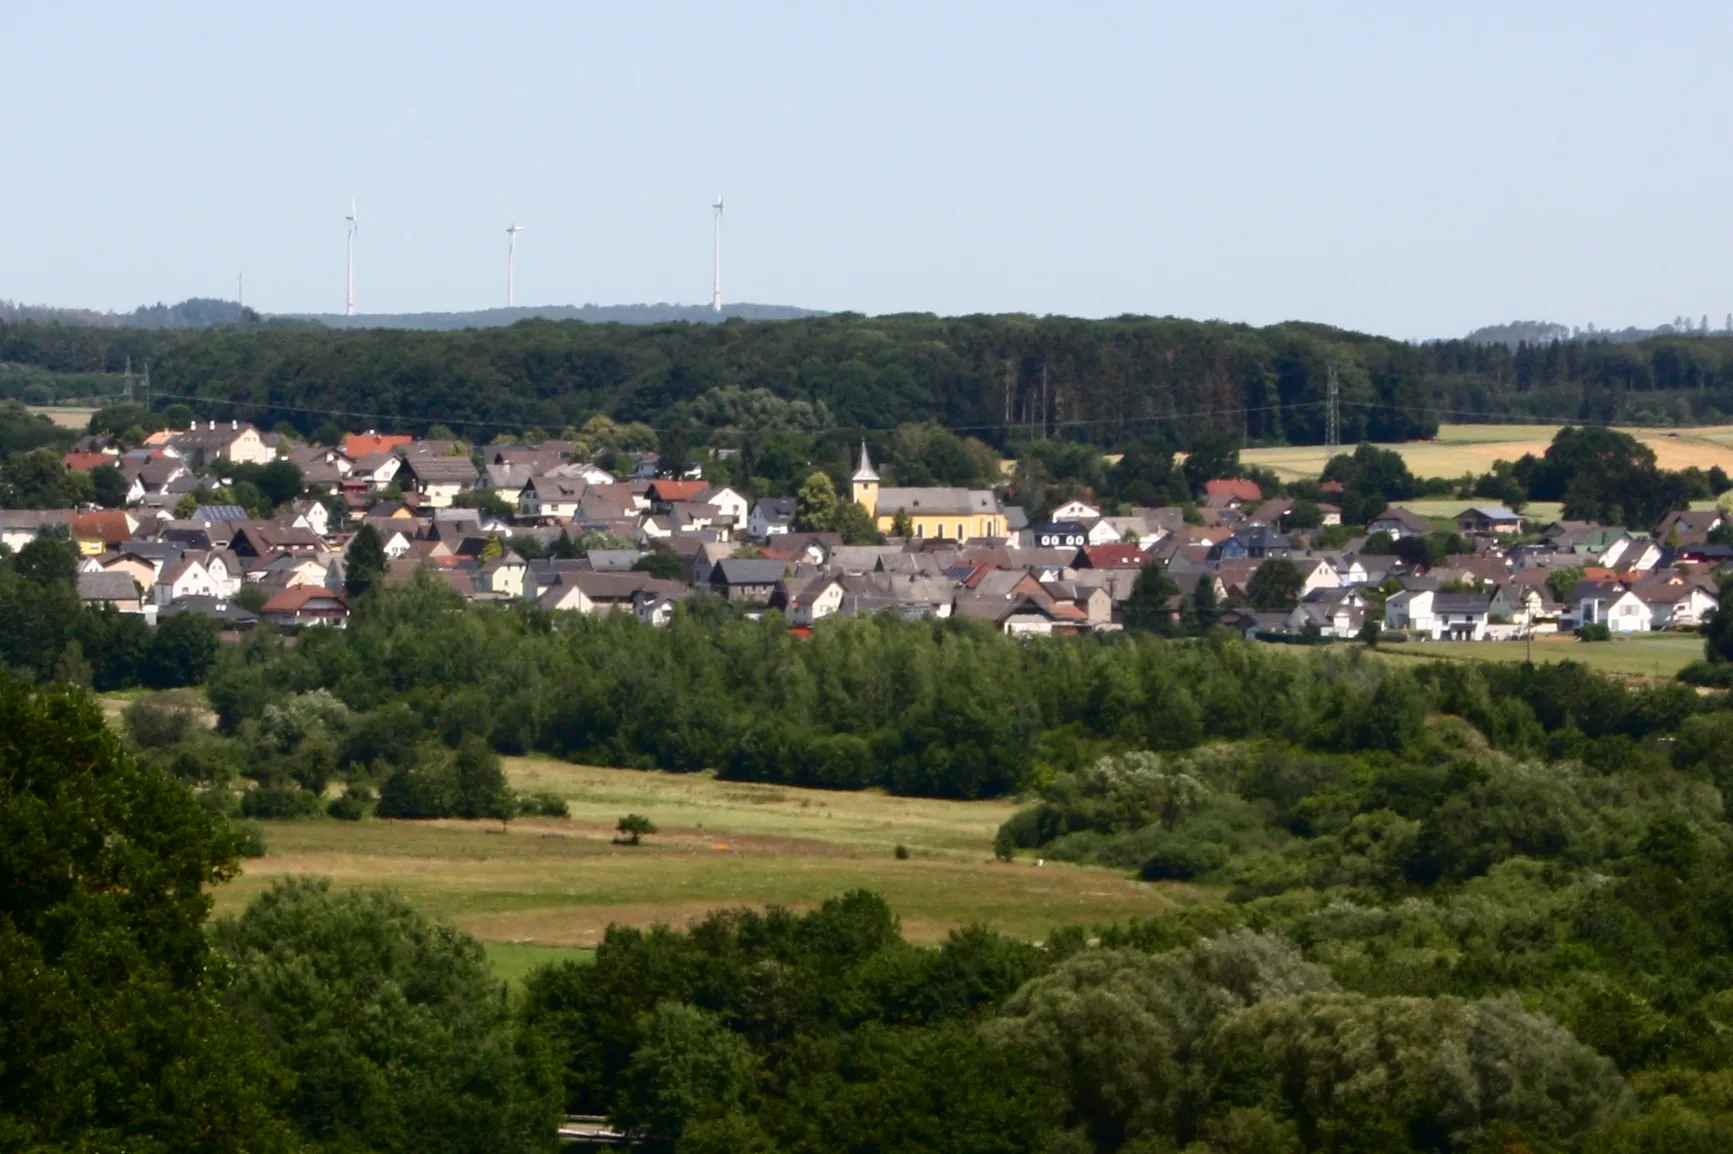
{"x": 1231, "y": 493}
{"x": 303, "y": 605}
{"x": 1488, "y": 521}
{"x": 266, "y": 539}
{"x": 1611, "y": 604}
{"x": 733, "y": 507}
{"x": 1443, "y": 616}
{"x": 359, "y": 445}
{"x": 117, "y": 590}
{"x": 1075, "y": 511}
{"x": 771, "y": 517}
{"x": 19, "y": 527}
{"x": 1056, "y": 535}
{"x": 310, "y": 515}
{"x": 1675, "y": 602}
{"x": 216, "y": 441}
{"x": 1398, "y": 522}
{"x": 1111, "y": 557}
{"x": 746, "y": 579}
{"x": 101, "y": 531}
{"x": 438, "y": 479}
{"x": 187, "y": 577}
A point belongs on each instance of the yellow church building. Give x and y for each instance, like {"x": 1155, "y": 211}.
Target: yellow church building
{"x": 952, "y": 514}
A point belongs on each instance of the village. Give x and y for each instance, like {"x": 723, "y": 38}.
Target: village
{"x": 518, "y": 522}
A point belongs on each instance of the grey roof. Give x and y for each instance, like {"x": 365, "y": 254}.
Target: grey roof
{"x": 613, "y": 560}
{"x": 210, "y": 513}
{"x": 1461, "y": 602}
{"x": 1491, "y": 512}
{"x": 748, "y": 571}
{"x": 441, "y": 469}
{"x": 107, "y": 586}
{"x": 775, "y": 508}
{"x": 941, "y": 502}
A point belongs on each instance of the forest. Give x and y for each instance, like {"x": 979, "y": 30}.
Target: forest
{"x": 1004, "y": 379}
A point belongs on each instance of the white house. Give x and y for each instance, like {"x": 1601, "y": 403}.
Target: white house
{"x": 185, "y": 578}
{"x": 771, "y": 516}
{"x": 1444, "y": 616}
{"x": 1076, "y": 511}
{"x": 1675, "y": 604}
{"x": 215, "y": 441}
{"x": 1102, "y": 532}
{"x": 1604, "y": 603}
{"x": 310, "y": 515}
{"x": 733, "y": 507}
{"x": 551, "y": 497}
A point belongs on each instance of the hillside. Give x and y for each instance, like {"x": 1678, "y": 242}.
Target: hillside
{"x": 1002, "y": 378}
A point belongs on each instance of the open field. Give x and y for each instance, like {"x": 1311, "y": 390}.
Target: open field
{"x": 1641, "y": 655}
{"x": 67, "y": 417}
{"x": 1462, "y": 449}
{"x": 547, "y": 885}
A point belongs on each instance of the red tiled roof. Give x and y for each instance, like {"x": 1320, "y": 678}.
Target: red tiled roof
{"x": 1117, "y": 556}
{"x": 108, "y": 525}
{"x": 295, "y": 598}
{"x": 85, "y": 462}
{"x": 358, "y": 445}
{"x": 1236, "y": 488}
{"x": 671, "y": 491}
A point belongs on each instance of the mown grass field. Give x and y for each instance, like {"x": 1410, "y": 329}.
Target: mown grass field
{"x": 546, "y": 888}
{"x": 66, "y": 416}
{"x": 1643, "y": 655}
{"x": 1462, "y": 449}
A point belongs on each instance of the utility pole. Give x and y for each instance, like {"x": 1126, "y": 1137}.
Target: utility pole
{"x": 1333, "y": 413}
{"x": 129, "y": 380}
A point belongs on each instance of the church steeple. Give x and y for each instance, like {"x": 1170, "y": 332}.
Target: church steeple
{"x": 864, "y": 485}
{"x": 864, "y": 471}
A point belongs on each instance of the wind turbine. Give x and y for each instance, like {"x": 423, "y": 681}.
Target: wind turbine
{"x": 354, "y": 229}
{"x": 511, "y": 264}
{"x": 716, "y": 275}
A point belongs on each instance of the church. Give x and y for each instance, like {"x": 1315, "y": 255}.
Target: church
{"x": 953, "y": 514}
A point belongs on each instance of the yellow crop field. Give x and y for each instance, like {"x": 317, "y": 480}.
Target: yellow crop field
{"x": 1462, "y": 449}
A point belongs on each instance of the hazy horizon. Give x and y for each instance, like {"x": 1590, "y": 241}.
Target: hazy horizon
{"x": 1411, "y": 173}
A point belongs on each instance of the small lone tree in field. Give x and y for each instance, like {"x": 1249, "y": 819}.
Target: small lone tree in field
{"x": 634, "y": 828}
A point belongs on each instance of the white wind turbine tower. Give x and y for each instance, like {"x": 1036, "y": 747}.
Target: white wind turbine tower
{"x": 716, "y": 274}
{"x": 354, "y": 227}
{"x": 511, "y": 264}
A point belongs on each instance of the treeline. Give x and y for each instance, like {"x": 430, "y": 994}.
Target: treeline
{"x": 1007, "y": 378}
{"x": 941, "y": 708}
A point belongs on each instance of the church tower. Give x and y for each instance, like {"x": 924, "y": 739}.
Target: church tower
{"x": 864, "y": 485}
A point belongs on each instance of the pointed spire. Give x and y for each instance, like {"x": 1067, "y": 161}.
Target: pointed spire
{"x": 864, "y": 471}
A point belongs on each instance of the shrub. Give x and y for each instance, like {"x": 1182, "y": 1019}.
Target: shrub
{"x": 902, "y": 852}
{"x": 353, "y": 805}
{"x": 1713, "y": 676}
{"x": 634, "y": 827}
{"x": 1597, "y": 632}
{"x": 543, "y": 805}
{"x": 153, "y": 723}
{"x": 279, "y": 801}
{"x": 252, "y": 836}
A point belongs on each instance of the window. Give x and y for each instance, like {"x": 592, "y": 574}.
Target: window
{"x": 959, "y": 530}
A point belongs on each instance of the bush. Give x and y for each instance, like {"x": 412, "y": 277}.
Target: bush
{"x": 153, "y": 723}
{"x": 1710, "y": 675}
{"x": 902, "y": 853}
{"x": 543, "y": 805}
{"x": 1182, "y": 859}
{"x": 353, "y": 805}
{"x": 633, "y": 828}
{"x": 279, "y": 801}
{"x": 252, "y": 838}
{"x": 1596, "y": 632}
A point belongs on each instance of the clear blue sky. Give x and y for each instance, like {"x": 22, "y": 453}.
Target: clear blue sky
{"x": 1408, "y": 169}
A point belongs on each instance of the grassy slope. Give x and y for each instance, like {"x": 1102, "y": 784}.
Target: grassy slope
{"x": 1642, "y": 655}
{"x": 557, "y": 884}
